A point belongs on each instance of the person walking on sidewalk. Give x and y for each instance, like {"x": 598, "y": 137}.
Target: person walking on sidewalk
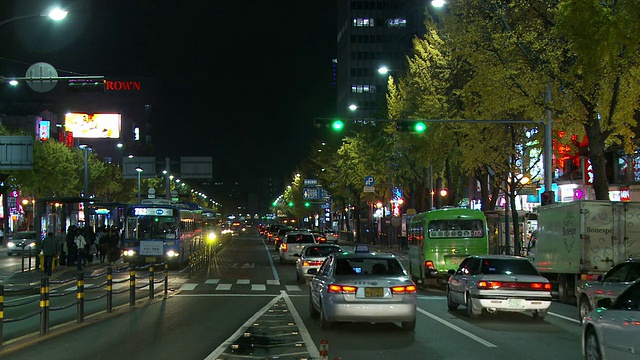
{"x": 81, "y": 245}
{"x": 49, "y": 248}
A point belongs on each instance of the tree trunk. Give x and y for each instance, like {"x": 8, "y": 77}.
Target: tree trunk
{"x": 596, "y": 155}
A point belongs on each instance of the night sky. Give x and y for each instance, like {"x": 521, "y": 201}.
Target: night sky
{"x": 241, "y": 80}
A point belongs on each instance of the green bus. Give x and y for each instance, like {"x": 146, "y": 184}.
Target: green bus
{"x": 440, "y": 239}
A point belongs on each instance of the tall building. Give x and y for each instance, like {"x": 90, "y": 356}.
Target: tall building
{"x": 373, "y": 34}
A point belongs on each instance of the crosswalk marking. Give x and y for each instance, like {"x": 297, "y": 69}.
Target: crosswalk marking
{"x": 258, "y": 287}
{"x": 223, "y": 287}
{"x": 188, "y": 286}
{"x": 212, "y": 281}
{"x": 273, "y": 282}
{"x": 243, "y": 282}
{"x": 293, "y": 288}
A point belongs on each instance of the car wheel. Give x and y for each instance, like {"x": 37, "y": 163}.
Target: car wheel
{"x": 583, "y": 308}
{"x": 324, "y": 323}
{"x": 471, "y": 313}
{"x": 409, "y": 325}
{"x": 452, "y": 305}
{"x": 313, "y": 312}
{"x": 591, "y": 346}
{"x": 539, "y": 314}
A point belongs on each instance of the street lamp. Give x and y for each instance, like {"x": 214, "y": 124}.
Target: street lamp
{"x": 55, "y": 14}
{"x": 139, "y": 170}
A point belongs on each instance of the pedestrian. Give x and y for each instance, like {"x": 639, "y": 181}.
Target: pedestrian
{"x": 102, "y": 244}
{"x": 81, "y": 245}
{"x": 70, "y": 252}
{"x": 49, "y": 247}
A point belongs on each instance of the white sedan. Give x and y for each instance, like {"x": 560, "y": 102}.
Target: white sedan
{"x": 612, "y": 331}
{"x": 311, "y": 257}
{"x": 498, "y": 283}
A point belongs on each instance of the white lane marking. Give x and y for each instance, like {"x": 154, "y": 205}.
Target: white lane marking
{"x": 293, "y": 288}
{"x": 188, "y": 286}
{"x": 311, "y": 346}
{"x": 258, "y": 287}
{"x": 225, "y": 344}
{"x": 223, "y": 287}
{"x": 273, "y": 266}
{"x": 212, "y": 281}
{"x": 566, "y": 318}
{"x": 457, "y": 328}
{"x": 243, "y": 282}
{"x": 273, "y": 282}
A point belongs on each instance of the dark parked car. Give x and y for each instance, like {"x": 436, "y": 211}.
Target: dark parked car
{"x": 22, "y": 242}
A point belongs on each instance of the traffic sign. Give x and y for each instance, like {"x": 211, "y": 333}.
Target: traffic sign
{"x": 369, "y": 180}
{"x": 42, "y": 71}
{"x": 369, "y": 189}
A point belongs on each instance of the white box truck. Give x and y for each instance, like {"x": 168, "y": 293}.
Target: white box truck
{"x": 579, "y": 241}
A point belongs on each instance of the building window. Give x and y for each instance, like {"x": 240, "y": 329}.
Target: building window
{"x": 360, "y": 72}
{"x": 400, "y": 22}
{"x": 364, "y": 22}
{"x": 363, "y": 89}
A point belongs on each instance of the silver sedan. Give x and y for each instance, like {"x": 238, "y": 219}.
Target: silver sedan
{"x": 311, "y": 257}
{"x": 612, "y": 331}
{"x": 363, "y": 287}
{"x": 498, "y": 283}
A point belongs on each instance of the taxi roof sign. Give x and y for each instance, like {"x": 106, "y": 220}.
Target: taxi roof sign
{"x": 361, "y": 248}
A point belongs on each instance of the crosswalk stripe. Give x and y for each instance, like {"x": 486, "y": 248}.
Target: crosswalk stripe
{"x": 188, "y": 286}
{"x": 258, "y": 287}
{"x": 273, "y": 282}
{"x": 212, "y": 281}
{"x": 223, "y": 287}
{"x": 293, "y": 288}
{"x": 243, "y": 282}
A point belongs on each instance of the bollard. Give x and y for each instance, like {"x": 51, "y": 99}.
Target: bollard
{"x": 1, "y": 314}
{"x": 324, "y": 350}
{"x": 166, "y": 279}
{"x": 151, "y": 289}
{"x": 132, "y": 287}
{"x": 44, "y": 306}
{"x": 80, "y": 296}
{"x": 109, "y": 289}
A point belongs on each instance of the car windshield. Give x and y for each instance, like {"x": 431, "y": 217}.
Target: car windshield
{"x": 26, "y": 235}
{"x": 368, "y": 266}
{"x": 300, "y": 238}
{"x": 507, "y": 267}
{"x": 321, "y": 251}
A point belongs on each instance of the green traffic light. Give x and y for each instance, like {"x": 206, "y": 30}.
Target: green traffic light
{"x": 419, "y": 127}
{"x": 306, "y": 204}
{"x": 290, "y": 204}
{"x": 337, "y": 125}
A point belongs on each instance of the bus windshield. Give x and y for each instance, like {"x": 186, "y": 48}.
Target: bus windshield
{"x": 151, "y": 227}
{"x": 458, "y": 228}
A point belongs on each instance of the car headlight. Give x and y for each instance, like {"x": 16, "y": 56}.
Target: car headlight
{"x": 211, "y": 237}
{"x": 172, "y": 253}
{"x": 32, "y": 244}
{"x": 11, "y": 244}
{"x": 129, "y": 253}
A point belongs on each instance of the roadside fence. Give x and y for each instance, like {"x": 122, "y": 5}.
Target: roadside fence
{"x": 23, "y": 306}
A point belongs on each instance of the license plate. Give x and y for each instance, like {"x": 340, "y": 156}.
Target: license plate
{"x": 150, "y": 259}
{"x": 373, "y": 292}
{"x": 516, "y": 303}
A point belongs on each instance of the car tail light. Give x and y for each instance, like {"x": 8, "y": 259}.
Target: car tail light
{"x": 311, "y": 263}
{"x": 403, "y": 289}
{"x": 341, "y": 289}
{"x": 283, "y": 247}
{"x": 428, "y": 264}
{"x": 513, "y": 285}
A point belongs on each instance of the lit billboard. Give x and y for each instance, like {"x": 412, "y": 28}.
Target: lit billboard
{"x": 94, "y": 126}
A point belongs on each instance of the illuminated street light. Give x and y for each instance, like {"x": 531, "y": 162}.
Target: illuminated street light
{"x": 139, "y": 170}
{"x": 55, "y": 14}
{"x": 353, "y": 107}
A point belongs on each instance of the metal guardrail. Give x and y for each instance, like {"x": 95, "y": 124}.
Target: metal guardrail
{"x": 46, "y": 295}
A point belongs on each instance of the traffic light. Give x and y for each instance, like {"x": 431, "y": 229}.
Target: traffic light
{"x": 85, "y": 86}
{"x": 546, "y": 198}
{"x": 307, "y": 204}
{"x": 332, "y": 124}
{"x": 414, "y": 126}
{"x": 290, "y": 204}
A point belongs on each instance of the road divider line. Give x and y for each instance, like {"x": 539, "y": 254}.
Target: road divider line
{"x": 306, "y": 336}
{"x": 273, "y": 266}
{"x": 458, "y": 329}
{"x": 231, "y": 339}
{"x": 566, "y": 318}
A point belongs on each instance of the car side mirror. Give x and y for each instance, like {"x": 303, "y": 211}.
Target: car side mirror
{"x": 605, "y": 303}
{"x": 312, "y": 271}
{"x": 451, "y": 272}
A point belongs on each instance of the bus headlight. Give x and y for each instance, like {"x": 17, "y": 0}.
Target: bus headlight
{"x": 211, "y": 237}
{"x": 129, "y": 253}
{"x": 172, "y": 253}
